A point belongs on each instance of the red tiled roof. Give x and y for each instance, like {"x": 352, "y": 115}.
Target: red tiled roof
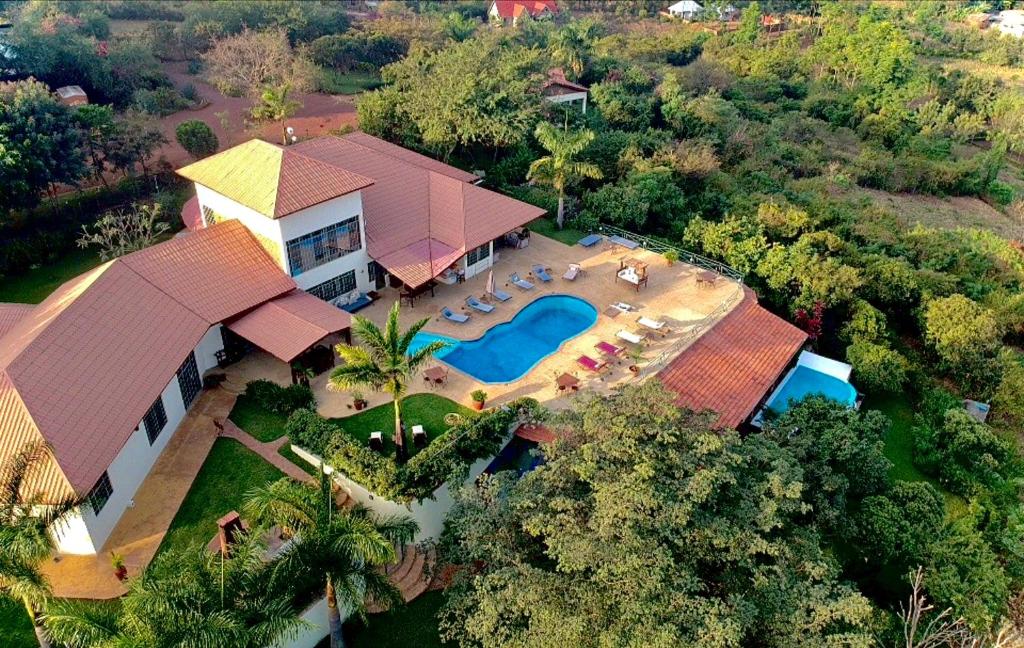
{"x": 288, "y": 325}
{"x": 516, "y": 8}
{"x": 83, "y": 367}
{"x": 556, "y": 77}
{"x": 415, "y": 200}
{"x": 731, "y": 368}
{"x": 10, "y": 314}
{"x": 537, "y": 433}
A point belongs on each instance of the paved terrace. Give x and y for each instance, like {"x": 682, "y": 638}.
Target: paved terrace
{"x": 672, "y": 294}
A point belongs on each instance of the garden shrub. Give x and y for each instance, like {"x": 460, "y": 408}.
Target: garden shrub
{"x": 877, "y": 368}
{"x": 1000, "y": 192}
{"x": 867, "y": 324}
{"x": 309, "y": 430}
{"x": 160, "y": 102}
{"x": 197, "y": 138}
{"x": 281, "y": 400}
{"x": 964, "y": 454}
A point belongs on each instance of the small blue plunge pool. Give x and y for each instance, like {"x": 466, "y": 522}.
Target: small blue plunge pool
{"x": 804, "y": 381}
{"x": 508, "y": 351}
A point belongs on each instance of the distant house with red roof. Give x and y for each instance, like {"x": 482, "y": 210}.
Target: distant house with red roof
{"x": 558, "y": 89}
{"x": 508, "y": 12}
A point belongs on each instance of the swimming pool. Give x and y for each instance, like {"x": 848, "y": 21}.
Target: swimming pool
{"x": 508, "y": 351}
{"x": 804, "y": 381}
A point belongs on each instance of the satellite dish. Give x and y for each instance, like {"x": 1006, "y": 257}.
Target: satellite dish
{"x": 290, "y": 130}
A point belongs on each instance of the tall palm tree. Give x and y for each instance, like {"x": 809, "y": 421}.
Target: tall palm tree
{"x": 384, "y": 363}
{"x": 339, "y": 551}
{"x": 276, "y": 106}
{"x": 560, "y": 168}
{"x": 27, "y": 519}
{"x": 573, "y": 44}
{"x": 190, "y": 598}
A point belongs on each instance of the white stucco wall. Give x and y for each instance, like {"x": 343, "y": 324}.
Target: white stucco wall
{"x": 318, "y": 627}
{"x": 86, "y": 532}
{"x": 252, "y": 219}
{"x": 480, "y": 266}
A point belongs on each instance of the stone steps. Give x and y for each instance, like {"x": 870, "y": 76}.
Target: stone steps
{"x": 411, "y": 576}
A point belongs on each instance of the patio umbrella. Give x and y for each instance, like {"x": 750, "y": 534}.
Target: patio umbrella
{"x": 490, "y": 282}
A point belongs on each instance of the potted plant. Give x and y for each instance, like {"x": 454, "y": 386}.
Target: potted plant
{"x": 479, "y": 397}
{"x": 671, "y": 256}
{"x": 636, "y": 354}
{"x": 358, "y": 401}
{"x": 117, "y": 562}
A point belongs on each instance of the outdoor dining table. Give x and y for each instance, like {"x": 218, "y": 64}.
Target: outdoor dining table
{"x": 706, "y": 278}
{"x": 436, "y": 375}
{"x": 567, "y": 381}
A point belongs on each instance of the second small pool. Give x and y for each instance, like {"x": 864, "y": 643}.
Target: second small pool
{"x": 508, "y": 351}
{"x": 805, "y": 381}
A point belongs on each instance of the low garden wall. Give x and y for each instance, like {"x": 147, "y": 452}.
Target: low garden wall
{"x": 314, "y": 632}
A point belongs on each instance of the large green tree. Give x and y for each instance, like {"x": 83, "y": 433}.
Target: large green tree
{"x": 384, "y": 363}
{"x": 560, "y": 167}
{"x": 28, "y": 518}
{"x": 341, "y": 552}
{"x": 644, "y": 527}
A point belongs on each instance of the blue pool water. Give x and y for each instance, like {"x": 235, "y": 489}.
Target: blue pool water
{"x": 515, "y": 456}
{"x": 804, "y": 382}
{"x": 506, "y": 352}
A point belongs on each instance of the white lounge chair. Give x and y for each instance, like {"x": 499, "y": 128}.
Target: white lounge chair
{"x": 629, "y": 336}
{"x": 419, "y": 436}
{"x": 654, "y": 325}
{"x": 519, "y": 282}
{"x": 574, "y": 271}
{"x": 458, "y": 318}
{"x": 478, "y": 305}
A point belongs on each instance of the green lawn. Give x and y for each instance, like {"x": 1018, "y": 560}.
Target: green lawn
{"x": 286, "y": 452}
{"x": 35, "y": 285}
{"x": 548, "y": 228}
{"x": 257, "y": 421}
{"x": 427, "y": 410}
{"x": 15, "y": 628}
{"x": 414, "y": 624}
{"x": 335, "y": 82}
{"x": 229, "y": 471}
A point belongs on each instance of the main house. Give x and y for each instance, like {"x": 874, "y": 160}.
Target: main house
{"x": 106, "y": 368}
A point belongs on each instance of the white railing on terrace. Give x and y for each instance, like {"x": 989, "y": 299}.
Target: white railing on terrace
{"x": 659, "y": 246}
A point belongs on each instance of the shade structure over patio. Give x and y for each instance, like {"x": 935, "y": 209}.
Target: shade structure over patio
{"x": 287, "y": 326}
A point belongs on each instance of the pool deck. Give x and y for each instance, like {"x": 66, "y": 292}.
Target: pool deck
{"x": 672, "y": 294}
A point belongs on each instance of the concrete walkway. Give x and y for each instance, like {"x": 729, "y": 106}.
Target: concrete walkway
{"x": 266, "y": 449}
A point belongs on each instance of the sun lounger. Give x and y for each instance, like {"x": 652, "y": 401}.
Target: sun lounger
{"x": 541, "y": 273}
{"x": 519, "y": 282}
{"x": 458, "y": 318}
{"x": 609, "y": 349}
{"x": 419, "y": 436}
{"x": 654, "y": 325}
{"x": 590, "y": 240}
{"x": 478, "y": 305}
{"x": 590, "y": 364}
{"x": 501, "y": 295}
{"x": 623, "y": 242}
{"x": 574, "y": 271}
{"x": 629, "y": 336}
{"x": 377, "y": 440}
{"x": 622, "y": 306}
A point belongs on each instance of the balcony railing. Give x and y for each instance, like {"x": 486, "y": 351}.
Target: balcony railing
{"x": 660, "y": 247}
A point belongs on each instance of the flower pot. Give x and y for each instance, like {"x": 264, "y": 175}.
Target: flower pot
{"x": 635, "y": 369}
{"x": 121, "y": 573}
{"x": 359, "y": 404}
{"x": 478, "y": 405}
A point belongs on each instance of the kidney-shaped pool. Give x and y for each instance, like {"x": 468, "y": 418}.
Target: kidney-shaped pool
{"x": 508, "y": 351}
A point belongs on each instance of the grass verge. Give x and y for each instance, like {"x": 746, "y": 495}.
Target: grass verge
{"x": 335, "y": 82}
{"x": 229, "y": 471}
{"x": 286, "y": 452}
{"x": 427, "y": 410}
{"x": 256, "y": 420}
{"x": 15, "y": 627}
{"x": 36, "y": 285}
{"x": 548, "y": 228}
{"x": 413, "y": 624}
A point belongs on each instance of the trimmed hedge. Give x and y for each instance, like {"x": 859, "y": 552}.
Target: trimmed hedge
{"x": 280, "y": 400}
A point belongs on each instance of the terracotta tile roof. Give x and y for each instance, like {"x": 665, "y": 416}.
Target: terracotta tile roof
{"x": 556, "y": 77}
{"x": 288, "y": 325}
{"x": 412, "y": 201}
{"x": 272, "y": 180}
{"x": 10, "y": 314}
{"x": 731, "y": 368}
{"x": 516, "y": 8}
{"x": 419, "y": 262}
{"x": 537, "y": 433}
{"x": 81, "y": 369}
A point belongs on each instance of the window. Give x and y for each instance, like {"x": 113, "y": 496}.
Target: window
{"x": 322, "y": 246}
{"x": 478, "y": 254}
{"x": 188, "y": 380}
{"x": 336, "y": 287}
{"x": 100, "y": 493}
{"x": 155, "y": 420}
{"x": 210, "y": 217}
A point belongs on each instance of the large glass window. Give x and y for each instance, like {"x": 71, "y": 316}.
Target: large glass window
{"x": 100, "y": 493}
{"x": 323, "y": 246}
{"x": 155, "y": 420}
{"x": 188, "y": 380}
{"x": 336, "y": 287}
{"x": 478, "y": 254}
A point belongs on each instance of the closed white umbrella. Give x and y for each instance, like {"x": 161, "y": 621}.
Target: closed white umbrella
{"x": 490, "y": 282}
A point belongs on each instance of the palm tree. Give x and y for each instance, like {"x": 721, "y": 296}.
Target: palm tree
{"x": 27, "y": 519}
{"x": 572, "y": 45}
{"x": 338, "y": 551}
{"x": 193, "y": 597}
{"x": 275, "y": 105}
{"x": 560, "y": 168}
{"x": 383, "y": 363}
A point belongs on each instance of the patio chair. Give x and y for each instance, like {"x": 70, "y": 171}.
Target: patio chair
{"x": 377, "y": 441}
{"x": 629, "y": 336}
{"x": 574, "y": 271}
{"x": 478, "y": 305}
{"x": 500, "y": 295}
{"x": 458, "y": 318}
{"x": 654, "y": 325}
{"x": 419, "y": 436}
{"x": 520, "y": 283}
{"x": 609, "y": 350}
{"x": 541, "y": 272}
{"x": 588, "y": 363}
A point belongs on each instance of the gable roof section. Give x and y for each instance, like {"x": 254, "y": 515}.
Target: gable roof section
{"x": 417, "y": 215}
{"x": 731, "y": 368}
{"x": 82, "y": 368}
{"x": 556, "y": 80}
{"x": 10, "y": 314}
{"x": 288, "y": 325}
{"x": 516, "y": 8}
{"x": 272, "y": 180}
